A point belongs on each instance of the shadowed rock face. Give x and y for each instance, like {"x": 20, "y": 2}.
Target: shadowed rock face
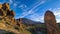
{"x": 10, "y": 13}
{"x": 1, "y": 12}
{"x": 6, "y": 13}
{"x": 50, "y": 22}
{"x": 5, "y": 10}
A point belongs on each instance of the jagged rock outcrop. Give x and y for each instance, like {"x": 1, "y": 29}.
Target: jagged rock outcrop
{"x": 6, "y": 13}
{"x": 50, "y": 22}
{"x": 5, "y": 6}
{"x": 1, "y": 12}
{"x": 8, "y": 22}
{"x": 19, "y": 23}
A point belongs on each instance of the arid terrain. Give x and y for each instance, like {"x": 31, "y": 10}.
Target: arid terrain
{"x": 10, "y": 25}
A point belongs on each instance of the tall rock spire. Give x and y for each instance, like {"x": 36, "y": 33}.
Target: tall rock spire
{"x": 50, "y": 21}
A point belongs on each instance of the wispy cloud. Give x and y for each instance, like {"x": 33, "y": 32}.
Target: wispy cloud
{"x": 56, "y": 11}
{"x": 31, "y": 11}
{"x": 10, "y": 1}
{"x": 15, "y": 4}
{"x": 22, "y": 6}
{"x": 58, "y": 20}
{"x": 37, "y": 17}
{"x": 0, "y": 2}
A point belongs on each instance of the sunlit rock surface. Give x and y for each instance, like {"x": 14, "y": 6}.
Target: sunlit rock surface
{"x": 8, "y": 24}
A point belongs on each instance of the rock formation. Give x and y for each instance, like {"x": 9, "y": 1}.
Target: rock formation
{"x": 8, "y": 22}
{"x": 6, "y": 12}
{"x": 50, "y": 22}
{"x": 5, "y": 6}
{"x": 1, "y": 12}
{"x": 19, "y": 22}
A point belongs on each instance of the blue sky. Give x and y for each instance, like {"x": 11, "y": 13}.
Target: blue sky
{"x": 34, "y": 9}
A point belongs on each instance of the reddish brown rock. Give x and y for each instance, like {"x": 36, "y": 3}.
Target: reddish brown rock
{"x": 10, "y": 13}
{"x": 50, "y": 21}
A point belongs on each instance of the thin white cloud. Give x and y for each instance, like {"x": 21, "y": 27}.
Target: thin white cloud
{"x": 57, "y": 14}
{"x": 15, "y": 4}
{"x": 37, "y": 17}
{"x": 56, "y": 11}
{"x": 10, "y": 1}
{"x": 0, "y": 2}
{"x": 32, "y": 9}
{"x": 58, "y": 20}
{"x": 22, "y": 6}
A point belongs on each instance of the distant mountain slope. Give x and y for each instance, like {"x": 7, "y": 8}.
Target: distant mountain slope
{"x": 28, "y": 21}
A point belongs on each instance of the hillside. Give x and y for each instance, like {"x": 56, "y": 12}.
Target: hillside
{"x": 35, "y": 27}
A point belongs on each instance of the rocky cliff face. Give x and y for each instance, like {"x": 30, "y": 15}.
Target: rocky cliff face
{"x": 6, "y": 14}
